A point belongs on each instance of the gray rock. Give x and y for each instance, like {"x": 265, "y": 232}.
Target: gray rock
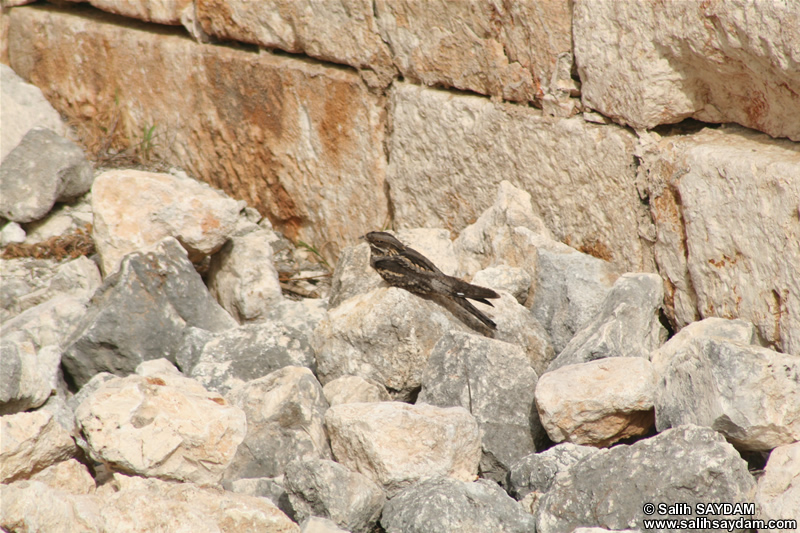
{"x": 444, "y": 505}
{"x": 271, "y": 488}
{"x": 627, "y": 324}
{"x": 537, "y": 471}
{"x": 43, "y": 169}
{"x": 47, "y": 323}
{"x": 285, "y": 413}
{"x": 570, "y": 290}
{"x": 495, "y": 382}
{"x": 318, "y": 487}
{"x": 778, "y": 493}
{"x": 141, "y": 312}
{"x": 233, "y": 357}
{"x": 315, "y": 524}
{"x": 748, "y": 393}
{"x": 686, "y": 464}
{"x": 24, "y": 107}
{"x": 30, "y": 282}
{"x": 27, "y": 376}
{"x": 64, "y": 218}
{"x": 506, "y": 278}
{"x": 516, "y": 325}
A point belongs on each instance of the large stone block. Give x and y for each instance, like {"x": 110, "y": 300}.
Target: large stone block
{"x": 733, "y": 61}
{"x": 725, "y": 204}
{"x": 450, "y": 152}
{"x": 341, "y": 32}
{"x": 300, "y": 142}
{"x": 506, "y": 49}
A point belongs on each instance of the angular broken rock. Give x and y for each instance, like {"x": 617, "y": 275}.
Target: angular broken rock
{"x": 748, "y": 393}
{"x": 242, "y": 277}
{"x": 570, "y": 290}
{"x": 494, "y": 381}
{"x": 141, "y": 504}
{"x": 445, "y": 505}
{"x": 27, "y": 376}
{"x": 236, "y": 356}
{"x": 627, "y": 325}
{"x": 536, "y": 472}
{"x": 285, "y": 421}
{"x": 396, "y": 444}
{"x": 778, "y": 491}
{"x": 141, "y": 313}
{"x": 69, "y": 476}
{"x": 35, "y": 506}
{"x": 353, "y": 389}
{"x": 597, "y": 403}
{"x": 164, "y": 426}
{"x": 31, "y": 442}
{"x": 318, "y": 487}
{"x": 686, "y": 464}
{"x": 385, "y": 335}
{"x": 43, "y": 169}
{"x": 134, "y": 210}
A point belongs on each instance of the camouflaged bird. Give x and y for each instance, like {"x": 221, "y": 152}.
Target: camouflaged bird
{"x": 408, "y": 269}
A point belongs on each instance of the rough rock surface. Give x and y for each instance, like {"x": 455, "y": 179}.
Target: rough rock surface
{"x": 24, "y": 107}
{"x": 719, "y": 62}
{"x": 725, "y": 206}
{"x": 44, "y": 168}
{"x": 353, "y": 389}
{"x": 162, "y": 425}
{"x": 627, "y": 325}
{"x": 31, "y": 442}
{"x": 685, "y": 464}
{"x": 597, "y": 403}
{"x": 778, "y": 491}
{"x": 134, "y": 210}
{"x": 27, "y": 376}
{"x": 140, "y": 313}
{"x": 285, "y": 421}
{"x": 396, "y": 444}
{"x": 537, "y": 471}
{"x": 319, "y": 487}
{"x": 495, "y": 382}
{"x": 583, "y": 186}
{"x": 442, "y": 505}
{"x": 310, "y": 126}
{"x": 748, "y": 393}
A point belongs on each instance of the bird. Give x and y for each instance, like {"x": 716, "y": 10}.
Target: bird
{"x": 404, "y": 267}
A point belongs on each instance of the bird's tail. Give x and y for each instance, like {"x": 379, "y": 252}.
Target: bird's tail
{"x": 475, "y": 312}
{"x": 463, "y": 289}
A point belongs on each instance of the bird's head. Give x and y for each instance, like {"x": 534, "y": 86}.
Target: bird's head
{"x": 383, "y": 244}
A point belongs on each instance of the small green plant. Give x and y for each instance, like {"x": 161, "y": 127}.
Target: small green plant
{"x": 146, "y": 146}
{"x": 315, "y": 252}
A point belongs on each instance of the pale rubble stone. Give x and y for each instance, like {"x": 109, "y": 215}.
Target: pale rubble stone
{"x": 778, "y": 490}
{"x": 285, "y": 421}
{"x": 315, "y": 524}
{"x": 48, "y": 323}
{"x": 28, "y": 376}
{"x": 340, "y": 32}
{"x": 385, "y": 335}
{"x": 12, "y": 233}
{"x": 628, "y": 323}
{"x": 581, "y": 176}
{"x": 63, "y": 219}
{"x": 158, "y": 11}
{"x": 271, "y": 488}
{"x": 24, "y": 107}
{"x": 505, "y": 278}
{"x": 733, "y": 61}
{"x": 243, "y": 278}
{"x": 308, "y": 151}
{"x": 597, "y": 403}
{"x": 33, "y": 506}
{"x": 31, "y": 442}
{"x": 146, "y": 504}
{"x": 725, "y": 204}
{"x": 354, "y": 389}
{"x": 534, "y": 474}
{"x": 506, "y": 50}
{"x": 161, "y": 425}
{"x": 69, "y": 476}
{"x": 396, "y": 444}
{"x": 746, "y": 392}
{"x": 133, "y": 210}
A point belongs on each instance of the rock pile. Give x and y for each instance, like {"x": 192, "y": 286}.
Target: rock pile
{"x": 152, "y": 397}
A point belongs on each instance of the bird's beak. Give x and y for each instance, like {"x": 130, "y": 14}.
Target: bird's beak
{"x": 363, "y": 237}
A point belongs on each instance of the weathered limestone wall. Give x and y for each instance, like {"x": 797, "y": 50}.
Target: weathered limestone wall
{"x": 336, "y": 117}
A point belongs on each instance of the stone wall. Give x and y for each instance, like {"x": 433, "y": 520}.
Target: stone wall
{"x": 336, "y": 117}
